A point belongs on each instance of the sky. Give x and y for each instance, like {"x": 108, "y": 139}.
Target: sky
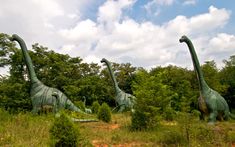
{"x": 144, "y": 33}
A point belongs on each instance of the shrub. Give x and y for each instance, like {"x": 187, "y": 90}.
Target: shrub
{"x": 231, "y": 136}
{"x": 63, "y": 132}
{"x": 80, "y": 105}
{"x": 169, "y": 114}
{"x": 104, "y": 113}
{"x": 173, "y": 137}
{"x": 152, "y": 97}
{"x": 139, "y": 120}
{"x": 196, "y": 113}
{"x": 95, "y": 107}
{"x": 5, "y": 116}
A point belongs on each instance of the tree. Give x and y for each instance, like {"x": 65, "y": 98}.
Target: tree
{"x": 181, "y": 82}
{"x": 104, "y": 113}
{"x": 69, "y": 74}
{"x": 211, "y": 74}
{"x": 227, "y": 76}
{"x": 63, "y": 132}
{"x": 13, "y": 88}
{"x": 153, "y": 97}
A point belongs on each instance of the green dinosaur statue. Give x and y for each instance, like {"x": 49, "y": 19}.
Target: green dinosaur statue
{"x": 42, "y": 95}
{"x": 124, "y": 100}
{"x": 210, "y": 102}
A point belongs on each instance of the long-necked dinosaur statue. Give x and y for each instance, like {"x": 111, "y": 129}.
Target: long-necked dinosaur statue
{"x": 210, "y": 102}
{"x": 42, "y": 95}
{"x": 124, "y": 100}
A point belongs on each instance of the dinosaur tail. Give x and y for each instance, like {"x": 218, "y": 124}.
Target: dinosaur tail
{"x": 83, "y": 120}
{"x": 232, "y": 116}
{"x": 71, "y": 106}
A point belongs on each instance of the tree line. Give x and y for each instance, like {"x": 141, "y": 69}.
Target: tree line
{"x": 167, "y": 87}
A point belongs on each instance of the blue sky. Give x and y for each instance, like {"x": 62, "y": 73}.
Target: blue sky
{"x": 142, "y": 32}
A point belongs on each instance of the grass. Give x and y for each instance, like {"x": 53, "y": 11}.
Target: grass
{"x": 29, "y": 130}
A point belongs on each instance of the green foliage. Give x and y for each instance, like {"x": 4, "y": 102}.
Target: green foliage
{"x": 227, "y": 75}
{"x": 231, "y": 136}
{"x": 172, "y": 137}
{"x": 63, "y": 132}
{"x": 182, "y": 83}
{"x": 196, "y": 113}
{"x": 80, "y": 105}
{"x": 5, "y": 116}
{"x": 95, "y": 107}
{"x": 139, "y": 120}
{"x": 152, "y": 98}
{"x": 211, "y": 74}
{"x": 104, "y": 113}
{"x": 169, "y": 114}
{"x": 76, "y": 79}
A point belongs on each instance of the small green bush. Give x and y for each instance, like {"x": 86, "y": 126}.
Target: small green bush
{"x": 80, "y": 105}
{"x": 196, "y": 113}
{"x": 63, "y": 132}
{"x": 173, "y": 137}
{"x": 231, "y": 136}
{"x": 5, "y": 116}
{"x": 139, "y": 120}
{"x": 104, "y": 113}
{"x": 142, "y": 119}
{"x": 169, "y": 114}
{"x": 95, "y": 107}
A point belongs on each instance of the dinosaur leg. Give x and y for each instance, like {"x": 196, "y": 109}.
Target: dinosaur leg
{"x": 121, "y": 108}
{"x": 212, "y": 117}
{"x": 35, "y": 110}
{"x": 226, "y": 115}
{"x": 202, "y": 116}
{"x": 54, "y": 109}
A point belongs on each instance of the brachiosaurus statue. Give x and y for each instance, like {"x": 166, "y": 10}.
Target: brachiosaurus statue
{"x": 124, "y": 100}
{"x": 42, "y": 95}
{"x": 210, "y": 102}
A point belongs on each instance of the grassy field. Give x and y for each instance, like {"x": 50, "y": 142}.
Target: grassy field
{"x": 29, "y": 130}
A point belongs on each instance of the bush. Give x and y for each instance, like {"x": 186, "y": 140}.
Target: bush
{"x": 169, "y": 114}
{"x": 152, "y": 97}
{"x": 5, "y": 116}
{"x": 231, "y": 136}
{"x": 173, "y": 137}
{"x": 95, "y": 107}
{"x": 63, "y": 132}
{"x": 196, "y": 113}
{"x": 139, "y": 120}
{"x": 104, "y": 113}
{"x": 80, "y": 105}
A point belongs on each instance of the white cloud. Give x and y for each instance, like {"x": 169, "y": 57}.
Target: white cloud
{"x": 111, "y": 11}
{"x": 92, "y": 59}
{"x": 160, "y": 2}
{"x": 49, "y": 8}
{"x": 84, "y": 31}
{"x": 143, "y": 44}
{"x": 38, "y": 21}
{"x": 154, "y": 6}
{"x": 221, "y": 43}
{"x": 115, "y": 36}
{"x": 189, "y": 2}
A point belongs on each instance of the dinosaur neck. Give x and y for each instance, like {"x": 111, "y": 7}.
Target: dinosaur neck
{"x": 202, "y": 83}
{"x": 29, "y": 63}
{"x": 117, "y": 89}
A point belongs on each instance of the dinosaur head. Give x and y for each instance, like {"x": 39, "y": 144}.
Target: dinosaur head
{"x": 13, "y": 37}
{"x": 103, "y": 60}
{"x": 183, "y": 39}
